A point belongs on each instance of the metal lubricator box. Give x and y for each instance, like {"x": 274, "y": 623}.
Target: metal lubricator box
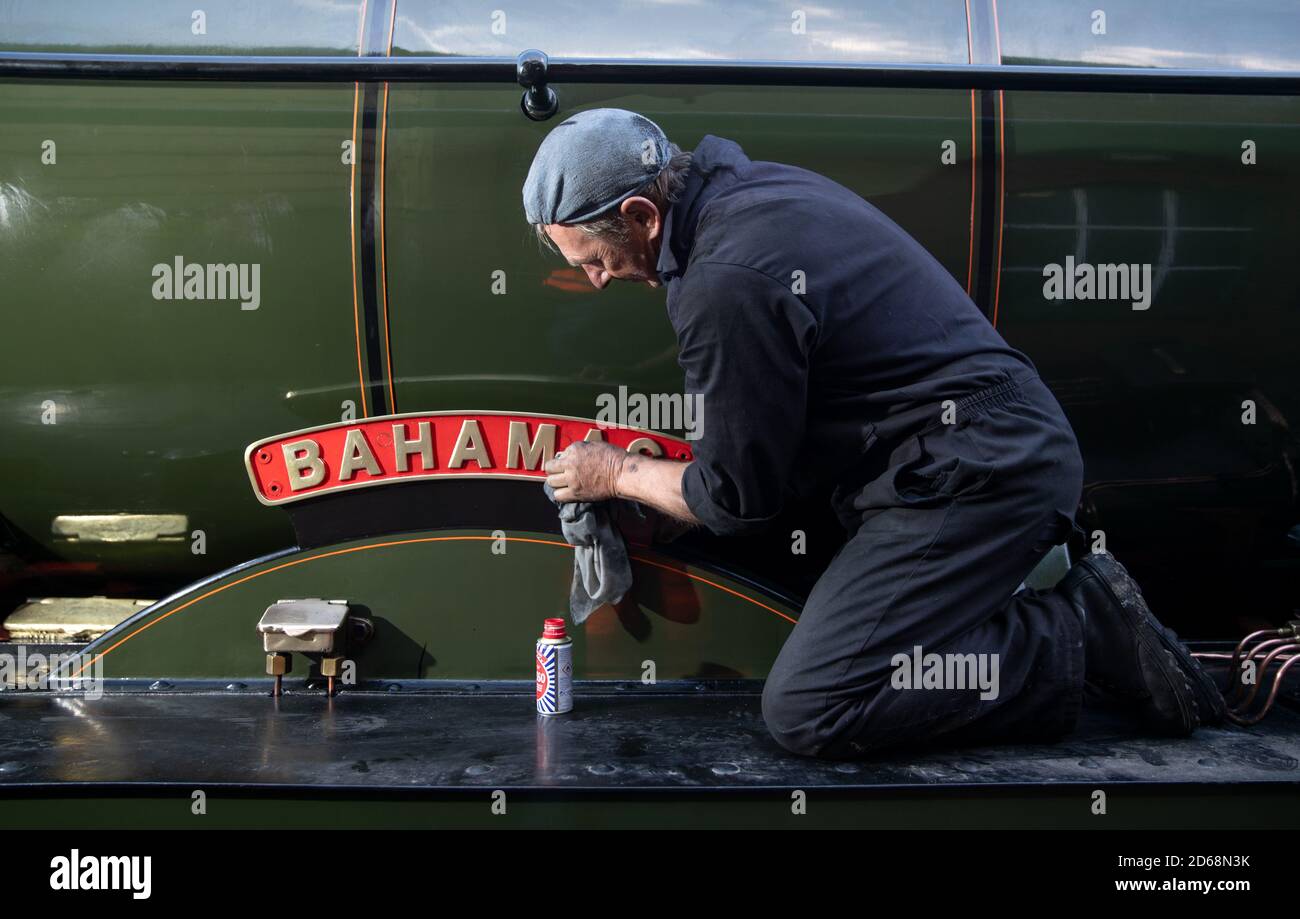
{"x": 306, "y": 626}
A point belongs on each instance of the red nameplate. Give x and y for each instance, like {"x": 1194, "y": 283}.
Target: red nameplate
{"x": 394, "y": 448}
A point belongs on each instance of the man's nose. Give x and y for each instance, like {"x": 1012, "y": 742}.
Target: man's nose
{"x": 597, "y": 276}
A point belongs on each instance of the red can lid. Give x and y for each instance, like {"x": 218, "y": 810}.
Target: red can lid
{"x": 553, "y": 628}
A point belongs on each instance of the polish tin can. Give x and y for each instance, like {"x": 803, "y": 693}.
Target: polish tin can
{"x": 554, "y": 669}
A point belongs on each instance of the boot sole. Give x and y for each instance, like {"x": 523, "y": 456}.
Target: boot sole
{"x": 1208, "y": 707}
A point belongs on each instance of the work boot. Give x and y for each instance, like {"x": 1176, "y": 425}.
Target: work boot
{"x": 1130, "y": 656}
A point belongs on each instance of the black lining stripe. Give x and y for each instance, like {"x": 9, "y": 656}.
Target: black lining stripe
{"x": 369, "y": 266}
{"x": 375, "y": 43}
{"x": 987, "y": 219}
{"x": 984, "y": 51}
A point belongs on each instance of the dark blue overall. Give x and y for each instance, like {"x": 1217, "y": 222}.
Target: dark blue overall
{"x": 830, "y": 348}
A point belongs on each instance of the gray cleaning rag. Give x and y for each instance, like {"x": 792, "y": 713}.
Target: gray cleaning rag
{"x": 601, "y": 570}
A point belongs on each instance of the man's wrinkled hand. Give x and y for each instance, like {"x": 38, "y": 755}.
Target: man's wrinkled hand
{"x": 585, "y": 471}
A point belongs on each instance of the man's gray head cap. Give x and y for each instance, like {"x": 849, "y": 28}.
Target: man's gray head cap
{"x": 590, "y": 163}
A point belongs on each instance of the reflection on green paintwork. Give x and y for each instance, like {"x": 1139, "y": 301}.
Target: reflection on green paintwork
{"x": 472, "y": 613}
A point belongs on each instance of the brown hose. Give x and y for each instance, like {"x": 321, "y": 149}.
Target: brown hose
{"x": 1277, "y": 645}
{"x": 1238, "y": 687}
{"x": 1239, "y": 717}
{"x": 1263, "y": 668}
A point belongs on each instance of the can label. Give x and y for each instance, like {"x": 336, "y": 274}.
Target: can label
{"x": 554, "y": 677}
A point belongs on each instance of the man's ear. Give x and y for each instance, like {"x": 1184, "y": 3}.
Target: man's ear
{"x": 644, "y": 213}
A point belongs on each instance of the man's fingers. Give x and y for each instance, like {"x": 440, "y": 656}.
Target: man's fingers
{"x": 565, "y": 495}
{"x": 557, "y": 480}
{"x": 556, "y": 463}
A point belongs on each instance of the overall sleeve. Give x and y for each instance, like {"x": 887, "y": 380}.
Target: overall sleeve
{"x": 745, "y": 341}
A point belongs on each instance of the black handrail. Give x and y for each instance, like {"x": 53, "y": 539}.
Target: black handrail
{"x": 449, "y": 69}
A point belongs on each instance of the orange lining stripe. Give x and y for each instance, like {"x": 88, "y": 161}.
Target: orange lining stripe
{"x": 385, "y": 545}
{"x": 383, "y": 220}
{"x": 734, "y": 593}
{"x": 352, "y": 219}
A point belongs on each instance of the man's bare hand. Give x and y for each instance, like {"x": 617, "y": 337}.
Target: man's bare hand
{"x": 585, "y": 471}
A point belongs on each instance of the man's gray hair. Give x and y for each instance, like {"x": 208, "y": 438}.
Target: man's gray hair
{"x": 663, "y": 191}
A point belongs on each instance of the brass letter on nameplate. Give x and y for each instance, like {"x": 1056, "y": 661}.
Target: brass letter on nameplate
{"x": 302, "y": 455}
{"x": 533, "y": 454}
